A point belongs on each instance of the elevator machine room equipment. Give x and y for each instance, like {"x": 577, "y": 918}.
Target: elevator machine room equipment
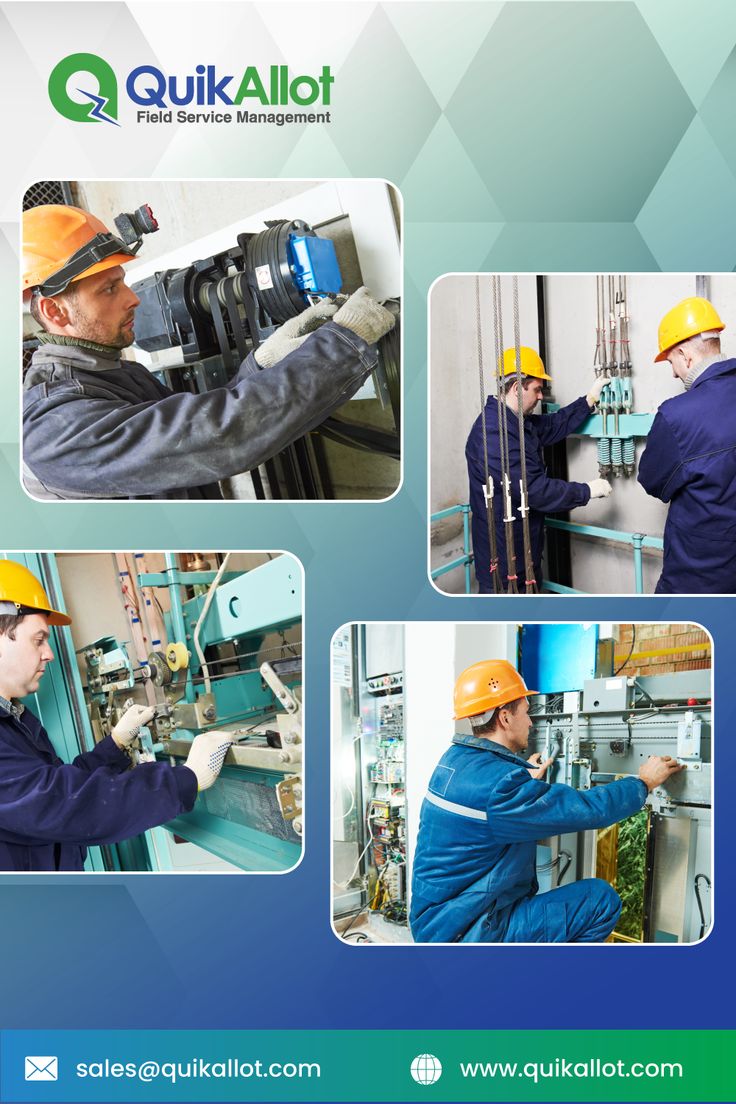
{"x": 609, "y": 696}
{"x": 587, "y": 329}
{"x": 207, "y": 304}
{"x": 369, "y": 771}
{"x": 600, "y": 724}
{"x": 212, "y": 641}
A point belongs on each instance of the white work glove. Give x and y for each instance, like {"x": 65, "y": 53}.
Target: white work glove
{"x": 596, "y": 387}
{"x": 293, "y": 333}
{"x": 206, "y": 756}
{"x": 130, "y": 724}
{"x": 600, "y": 488}
{"x": 365, "y": 316}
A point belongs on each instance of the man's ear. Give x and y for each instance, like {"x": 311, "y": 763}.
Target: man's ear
{"x": 53, "y": 311}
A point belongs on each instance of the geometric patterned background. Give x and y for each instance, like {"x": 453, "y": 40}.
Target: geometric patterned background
{"x": 540, "y": 136}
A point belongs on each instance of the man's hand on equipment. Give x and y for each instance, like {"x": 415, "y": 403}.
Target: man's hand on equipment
{"x": 130, "y": 724}
{"x": 293, "y": 333}
{"x": 537, "y": 768}
{"x": 365, "y": 316}
{"x": 657, "y": 769}
{"x": 600, "y": 488}
{"x": 206, "y": 756}
{"x": 594, "y": 392}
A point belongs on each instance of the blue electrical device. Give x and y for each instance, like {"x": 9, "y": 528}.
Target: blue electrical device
{"x": 314, "y": 265}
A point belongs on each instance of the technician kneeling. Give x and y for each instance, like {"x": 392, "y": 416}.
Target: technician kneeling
{"x": 474, "y": 869}
{"x": 51, "y": 811}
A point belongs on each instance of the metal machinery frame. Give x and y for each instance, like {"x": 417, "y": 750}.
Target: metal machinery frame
{"x": 600, "y": 726}
{"x": 198, "y": 321}
{"x": 614, "y": 426}
{"x": 372, "y": 833}
{"x": 208, "y": 669}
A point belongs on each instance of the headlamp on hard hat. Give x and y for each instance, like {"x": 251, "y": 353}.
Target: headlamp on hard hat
{"x": 132, "y": 228}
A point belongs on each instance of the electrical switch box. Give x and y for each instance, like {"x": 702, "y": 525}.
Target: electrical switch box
{"x": 606, "y": 695}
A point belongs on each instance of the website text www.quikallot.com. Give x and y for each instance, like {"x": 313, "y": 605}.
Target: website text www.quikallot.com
{"x": 152, "y": 1070}
{"x": 561, "y": 1068}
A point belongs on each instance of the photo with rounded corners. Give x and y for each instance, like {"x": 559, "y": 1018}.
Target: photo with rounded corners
{"x": 211, "y": 340}
{"x": 506, "y": 784}
{"x": 577, "y": 440}
{"x": 151, "y": 712}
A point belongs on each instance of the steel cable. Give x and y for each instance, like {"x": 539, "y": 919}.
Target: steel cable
{"x": 529, "y": 579}
{"x": 488, "y": 491}
{"x": 508, "y": 517}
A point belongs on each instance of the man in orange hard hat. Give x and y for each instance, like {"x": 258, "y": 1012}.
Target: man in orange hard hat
{"x": 474, "y": 878}
{"x": 50, "y": 811}
{"x": 690, "y": 455}
{"x": 546, "y": 495}
{"x": 97, "y": 426}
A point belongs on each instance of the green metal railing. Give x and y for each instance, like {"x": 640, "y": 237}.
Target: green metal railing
{"x": 637, "y": 541}
{"x": 467, "y": 557}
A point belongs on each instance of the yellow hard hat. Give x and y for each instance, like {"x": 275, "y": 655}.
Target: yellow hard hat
{"x": 531, "y": 363}
{"x": 21, "y": 588}
{"x": 488, "y": 685}
{"x": 690, "y": 317}
{"x": 62, "y": 244}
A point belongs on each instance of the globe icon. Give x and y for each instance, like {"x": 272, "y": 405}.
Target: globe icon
{"x": 426, "y": 1069}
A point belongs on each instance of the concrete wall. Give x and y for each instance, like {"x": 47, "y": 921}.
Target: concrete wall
{"x": 455, "y": 391}
{"x": 571, "y": 312}
{"x": 571, "y": 321}
{"x": 185, "y": 209}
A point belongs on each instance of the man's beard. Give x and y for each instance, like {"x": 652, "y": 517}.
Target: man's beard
{"x": 91, "y": 329}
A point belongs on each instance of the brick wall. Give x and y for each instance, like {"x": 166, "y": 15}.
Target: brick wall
{"x": 655, "y": 637}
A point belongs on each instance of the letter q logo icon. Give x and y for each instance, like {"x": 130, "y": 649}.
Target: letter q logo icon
{"x": 76, "y": 99}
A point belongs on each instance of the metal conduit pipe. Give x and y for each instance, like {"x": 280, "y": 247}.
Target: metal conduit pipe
{"x": 179, "y": 631}
{"x": 201, "y": 619}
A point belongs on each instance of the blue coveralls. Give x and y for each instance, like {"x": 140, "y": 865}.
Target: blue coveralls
{"x": 474, "y": 874}
{"x": 690, "y": 462}
{"x": 95, "y": 426}
{"x": 51, "y": 811}
{"x": 546, "y": 496}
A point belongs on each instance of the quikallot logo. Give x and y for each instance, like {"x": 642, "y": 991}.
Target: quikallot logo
{"x": 84, "y": 88}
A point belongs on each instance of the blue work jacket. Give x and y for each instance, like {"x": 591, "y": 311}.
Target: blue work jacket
{"x": 479, "y": 823}
{"x": 690, "y": 462}
{"x": 102, "y": 427}
{"x": 546, "y": 496}
{"x": 51, "y": 811}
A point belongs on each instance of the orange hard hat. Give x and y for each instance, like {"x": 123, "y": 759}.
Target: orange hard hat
{"x": 20, "y": 589}
{"x": 486, "y": 686}
{"x": 63, "y": 244}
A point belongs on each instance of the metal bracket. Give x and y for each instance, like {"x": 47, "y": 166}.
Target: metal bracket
{"x": 198, "y": 714}
{"x": 289, "y": 702}
{"x": 661, "y": 803}
{"x": 688, "y": 740}
{"x": 289, "y": 796}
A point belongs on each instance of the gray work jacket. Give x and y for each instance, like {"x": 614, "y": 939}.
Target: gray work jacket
{"x": 101, "y": 428}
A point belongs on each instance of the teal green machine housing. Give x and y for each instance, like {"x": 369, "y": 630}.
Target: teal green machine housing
{"x": 214, "y": 673}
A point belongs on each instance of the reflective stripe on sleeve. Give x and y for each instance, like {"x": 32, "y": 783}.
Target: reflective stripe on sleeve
{"x": 451, "y": 807}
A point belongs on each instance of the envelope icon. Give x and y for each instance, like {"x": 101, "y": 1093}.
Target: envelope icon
{"x": 42, "y": 1068}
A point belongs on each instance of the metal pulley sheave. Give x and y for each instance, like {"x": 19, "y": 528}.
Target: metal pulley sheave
{"x": 269, "y": 265}
{"x": 160, "y": 672}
